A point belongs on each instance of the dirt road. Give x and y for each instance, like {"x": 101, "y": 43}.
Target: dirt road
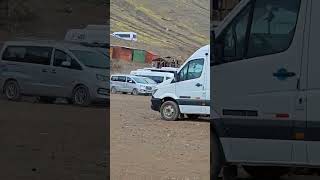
{"x": 51, "y": 141}
{"x": 143, "y": 147}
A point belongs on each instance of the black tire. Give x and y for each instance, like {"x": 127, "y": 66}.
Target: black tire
{"x": 11, "y": 90}
{"x": 113, "y": 90}
{"x": 193, "y": 116}
{"x": 81, "y": 96}
{"x": 46, "y": 100}
{"x": 171, "y": 106}
{"x": 216, "y": 156}
{"x": 135, "y": 92}
{"x": 230, "y": 173}
{"x": 266, "y": 172}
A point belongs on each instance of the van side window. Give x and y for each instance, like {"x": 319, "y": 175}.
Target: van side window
{"x": 129, "y": 79}
{"x": 60, "y": 56}
{"x": 114, "y": 78}
{"x": 121, "y": 78}
{"x": 273, "y": 26}
{"x": 234, "y": 36}
{"x": 192, "y": 70}
{"x": 28, "y": 54}
{"x": 262, "y": 28}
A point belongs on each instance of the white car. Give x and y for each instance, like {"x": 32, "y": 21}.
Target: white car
{"x": 130, "y": 84}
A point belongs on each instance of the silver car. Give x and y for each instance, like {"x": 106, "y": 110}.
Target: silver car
{"x": 130, "y": 84}
{"x": 53, "y": 70}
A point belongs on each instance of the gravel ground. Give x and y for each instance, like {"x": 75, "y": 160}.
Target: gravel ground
{"x": 143, "y": 147}
{"x": 52, "y": 141}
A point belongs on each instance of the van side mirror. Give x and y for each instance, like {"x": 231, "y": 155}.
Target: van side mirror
{"x": 66, "y": 64}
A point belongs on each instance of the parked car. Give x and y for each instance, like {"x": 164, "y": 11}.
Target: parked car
{"x": 130, "y": 84}
{"x": 53, "y": 70}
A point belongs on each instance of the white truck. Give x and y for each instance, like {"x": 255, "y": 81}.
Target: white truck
{"x": 266, "y": 89}
{"x": 189, "y": 92}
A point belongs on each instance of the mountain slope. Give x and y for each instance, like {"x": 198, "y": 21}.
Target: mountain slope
{"x": 175, "y": 27}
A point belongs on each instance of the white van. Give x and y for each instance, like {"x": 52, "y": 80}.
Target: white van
{"x": 266, "y": 89}
{"x": 189, "y": 92}
{"x": 129, "y": 36}
{"x": 91, "y": 36}
{"x": 158, "y": 77}
{"x": 51, "y": 70}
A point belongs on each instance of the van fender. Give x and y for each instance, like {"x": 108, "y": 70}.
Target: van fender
{"x": 168, "y": 95}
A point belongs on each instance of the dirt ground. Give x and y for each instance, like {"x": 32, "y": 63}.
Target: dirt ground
{"x": 52, "y": 141}
{"x": 143, "y": 147}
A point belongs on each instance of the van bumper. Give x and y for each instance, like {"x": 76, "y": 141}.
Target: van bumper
{"x": 155, "y": 104}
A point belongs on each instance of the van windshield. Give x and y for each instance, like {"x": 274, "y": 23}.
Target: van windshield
{"x": 140, "y": 80}
{"x": 157, "y": 79}
{"x": 92, "y": 59}
{"x": 150, "y": 81}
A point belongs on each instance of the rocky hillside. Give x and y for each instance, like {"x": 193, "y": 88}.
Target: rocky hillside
{"x": 175, "y": 28}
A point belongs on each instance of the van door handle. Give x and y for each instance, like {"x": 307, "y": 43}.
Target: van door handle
{"x": 44, "y": 70}
{"x": 283, "y": 74}
{"x": 53, "y": 71}
{"x": 198, "y": 84}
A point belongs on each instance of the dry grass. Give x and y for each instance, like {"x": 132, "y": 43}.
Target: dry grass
{"x": 123, "y": 67}
{"x": 174, "y": 28}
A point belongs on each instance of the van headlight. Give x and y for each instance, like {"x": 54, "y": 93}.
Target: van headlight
{"x": 142, "y": 87}
{"x": 102, "y": 77}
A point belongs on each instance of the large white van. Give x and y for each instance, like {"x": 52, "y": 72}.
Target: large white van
{"x": 129, "y": 36}
{"x": 189, "y": 92}
{"x": 266, "y": 89}
{"x": 91, "y": 36}
{"x": 158, "y": 77}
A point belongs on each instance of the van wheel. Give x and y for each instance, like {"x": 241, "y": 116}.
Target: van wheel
{"x": 12, "y": 91}
{"x": 47, "y": 100}
{"x": 169, "y": 111}
{"x": 216, "y": 157}
{"x": 268, "y": 172}
{"x": 135, "y": 92}
{"x": 193, "y": 116}
{"x": 81, "y": 96}
{"x": 113, "y": 90}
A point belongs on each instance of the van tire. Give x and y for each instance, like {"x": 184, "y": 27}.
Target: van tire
{"x": 113, "y": 90}
{"x": 216, "y": 156}
{"x": 81, "y": 96}
{"x": 169, "y": 106}
{"x": 268, "y": 172}
{"x": 135, "y": 92}
{"x": 11, "y": 90}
